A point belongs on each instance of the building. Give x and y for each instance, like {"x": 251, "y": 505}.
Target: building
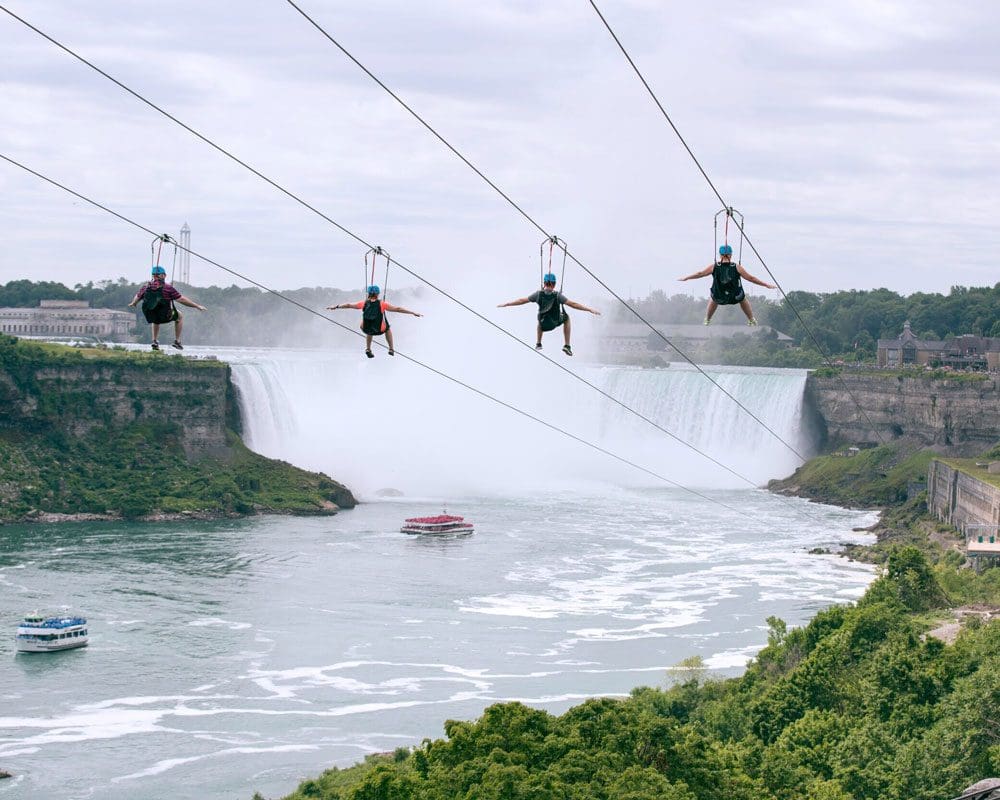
{"x": 962, "y": 352}
{"x": 67, "y": 318}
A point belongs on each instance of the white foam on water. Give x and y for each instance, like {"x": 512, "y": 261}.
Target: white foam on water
{"x": 81, "y": 727}
{"x": 170, "y": 763}
{"x": 147, "y": 700}
{"x": 551, "y": 699}
{"x": 729, "y": 659}
{"x": 289, "y": 683}
{"x": 211, "y": 622}
{"x": 652, "y": 630}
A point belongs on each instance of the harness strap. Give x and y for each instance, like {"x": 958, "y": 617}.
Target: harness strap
{"x": 553, "y": 242}
{"x": 375, "y": 252}
{"x": 729, "y": 211}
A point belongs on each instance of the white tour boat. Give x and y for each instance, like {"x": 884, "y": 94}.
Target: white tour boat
{"x": 441, "y": 525}
{"x": 41, "y": 634}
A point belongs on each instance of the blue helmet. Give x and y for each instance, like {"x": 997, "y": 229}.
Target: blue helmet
{"x": 725, "y": 250}
{"x": 373, "y": 289}
{"x": 549, "y": 277}
{"x": 158, "y": 270}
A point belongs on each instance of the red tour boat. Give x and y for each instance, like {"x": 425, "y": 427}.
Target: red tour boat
{"x": 439, "y": 525}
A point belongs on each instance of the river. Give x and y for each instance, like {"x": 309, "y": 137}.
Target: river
{"x": 239, "y": 656}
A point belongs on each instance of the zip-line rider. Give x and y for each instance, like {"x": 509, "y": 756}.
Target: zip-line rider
{"x": 551, "y": 313}
{"x": 158, "y": 298}
{"x": 373, "y": 319}
{"x": 727, "y": 289}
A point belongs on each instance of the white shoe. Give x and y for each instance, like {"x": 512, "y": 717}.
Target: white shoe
{"x": 752, "y": 322}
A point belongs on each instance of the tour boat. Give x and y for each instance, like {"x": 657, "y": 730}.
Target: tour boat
{"x": 439, "y": 525}
{"x": 41, "y": 634}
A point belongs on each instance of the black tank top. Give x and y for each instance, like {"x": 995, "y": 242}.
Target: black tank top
{"x": 727, "y": 288}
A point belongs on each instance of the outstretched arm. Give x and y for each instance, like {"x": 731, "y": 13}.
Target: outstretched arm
{"x": 581, "y": 307}
{"x": 753, "y": 279}
{"x": 401, "y": 310}
{"x": 519, "y": 302}
{"x": 190, "y": 303}
{"x": 340, "y": 305}
{"x": 134, "y": 301}
{"x": 699, "y": 274}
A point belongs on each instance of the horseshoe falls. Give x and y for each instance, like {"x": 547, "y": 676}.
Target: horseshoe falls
{"x": 386, "y": 424}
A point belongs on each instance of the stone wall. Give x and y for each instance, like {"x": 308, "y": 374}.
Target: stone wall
{"x": 197, "y": 396}
{"x": 961, "y": 499}
{"x": 869, "y": 408}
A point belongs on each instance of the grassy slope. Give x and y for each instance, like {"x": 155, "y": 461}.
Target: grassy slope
{"x": 142, "y": 470}
{"x": 871, "y": 478}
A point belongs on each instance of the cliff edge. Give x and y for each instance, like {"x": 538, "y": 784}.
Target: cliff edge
{"x": 90, "y": 433}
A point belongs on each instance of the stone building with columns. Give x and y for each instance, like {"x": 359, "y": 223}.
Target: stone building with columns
{"x": 67, "y": 318}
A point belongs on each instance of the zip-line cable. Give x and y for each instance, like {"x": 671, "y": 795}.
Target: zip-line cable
{"x": 537, "y": 225}
{"x": 406, "y": 269}
{"x": 411, "y": 359}
{"x": 718, "y": 194}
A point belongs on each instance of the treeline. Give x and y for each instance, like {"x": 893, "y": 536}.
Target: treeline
{"x": 845, "y": 324}
{"x": 236, "y": 315}
{"x": 850, "y": 322}
{"x": 858, "y": 704}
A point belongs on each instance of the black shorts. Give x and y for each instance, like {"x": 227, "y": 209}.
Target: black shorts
{"x": 549, "y": 324}
{"x": 158, "y": 317}
{"x": 726, "y": 300}
{"x": 377, "y": 333}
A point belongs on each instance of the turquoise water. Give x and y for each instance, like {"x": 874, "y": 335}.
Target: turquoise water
{"x": 243, "y": 656}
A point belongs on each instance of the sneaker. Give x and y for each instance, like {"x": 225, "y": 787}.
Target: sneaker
{"x": 369, "y": 353}
{"x": 392, "y": 352}
{"x": 707, "y": 321}
{"x": 751, "y": 322}
{"x": 538, "y": 345}
{"x": 567, "y": 350}
{"x": 155, "y": 345}
{"x": 176, "y": 344}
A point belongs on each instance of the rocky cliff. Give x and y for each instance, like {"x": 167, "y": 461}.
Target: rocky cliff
{"x": 114, "y": 434}
{"x": 961, "y": 412}
{"x": 83, "y": 395}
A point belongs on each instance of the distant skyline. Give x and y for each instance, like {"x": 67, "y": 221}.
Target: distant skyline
{"x": 858, "y": 138}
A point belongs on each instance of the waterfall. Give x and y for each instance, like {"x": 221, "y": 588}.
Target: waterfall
{"x": 387, "y": 424}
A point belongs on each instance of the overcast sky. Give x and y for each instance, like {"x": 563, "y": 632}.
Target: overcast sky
{"x": 859, "y": 138}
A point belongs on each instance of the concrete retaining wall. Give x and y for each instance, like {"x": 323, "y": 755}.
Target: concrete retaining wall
{"x": 961, "y": 499}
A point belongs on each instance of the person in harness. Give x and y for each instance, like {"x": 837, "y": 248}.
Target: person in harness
{"x": 727, "y": 289}
{"x": 158, "y": 298}
{"x": 373, "y": 319}
{"x": 551, "y": 310}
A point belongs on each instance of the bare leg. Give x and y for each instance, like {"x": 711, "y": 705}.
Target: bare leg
{"x": 566, "y": 331}
{"x": 538, "y": 338}
{"x": 156, "y": 331}
{"x": 710, "y": 311}
{"x": 178, "y": 324}
{"x": 368, "y": 342}
{"x": 745, "y": 305}
{"x": 388, "y": 338}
